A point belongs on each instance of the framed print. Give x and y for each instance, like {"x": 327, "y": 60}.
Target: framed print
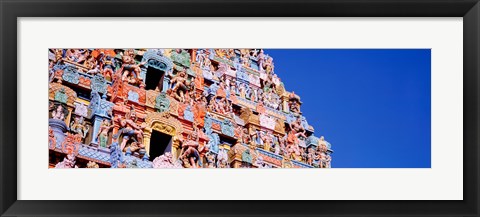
{"x": 239, "y": 108}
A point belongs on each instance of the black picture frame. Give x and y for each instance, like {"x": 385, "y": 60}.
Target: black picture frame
{"x": 12, "y": 9}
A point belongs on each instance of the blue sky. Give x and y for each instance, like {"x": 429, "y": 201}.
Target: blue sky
{"x": 372, "y": 105}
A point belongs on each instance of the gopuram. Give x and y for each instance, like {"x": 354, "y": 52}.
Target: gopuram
{"x": 175, "y": 108}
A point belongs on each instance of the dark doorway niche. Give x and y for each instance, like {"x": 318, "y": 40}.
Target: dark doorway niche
{"x": 159, "y": 144}
{"x": 154, "y": 78}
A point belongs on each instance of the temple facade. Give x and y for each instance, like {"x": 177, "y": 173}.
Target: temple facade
{"x": 175, "y": 108}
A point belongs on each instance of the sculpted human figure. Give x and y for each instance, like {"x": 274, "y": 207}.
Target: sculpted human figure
{"x": 108, "y": 66}
{"x": 129, "y": 128}
{"x": 200, "y": 57}
{"x": 261, "y": 60}
{"x": 134, "y": 147}
{"x": 102, "y": 135}
{"x": 231, "y": 54}
{"x": 79, "y": 126}
{"x": 297, "y": 127}
{"x": 328, "y": 160}
{"x": 210, "y": 160}
{"x": 91, "y": 62}
{"x": 68, "y": 162}
{"x": 75, "y": 55}
{"x": 130, "y": 67}
{"x": 180, "y": 84}
{"x": 293, "y": 150}
{"x": 190, "y": 151}
{"x": 268, "y": 65}
{"x": 59, "y": 113}
{"x": 310, "y": 155}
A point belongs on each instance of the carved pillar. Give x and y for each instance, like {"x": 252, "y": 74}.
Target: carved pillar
{"x": 175, "y": 148}
{"x": 147, "y": 134}
{"x": 101, "y": 109}
{"x": 97, "y": 122}
{"x": 166, "y": 82}
{"x": 69, "y": 116}
{"x": 59, "y": 129}
{"x": 193, "y": 56}
{"x": 143, "y": 73}
{"x": 285, "y": 103}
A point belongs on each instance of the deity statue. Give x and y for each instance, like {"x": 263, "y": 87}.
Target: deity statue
{"x": 210, "y": 157}
{"x": 267, "y": 141}
{"x": 134, "y": 147}
{"x": 79, "y": 126}
{"x": 107, "y": 64}
{"x": 165, "y": 161}
{"x": 231, "y": 54}
{"x": 59, "y": 113}
{"x": 310, "y": 155}
{"x": 92, "y": 164}
{"x": 58, "y": 54}
{"x": 297, "y": 128}
{"x": 102, "y": 135}
{"x": 268, "y": 65}
{"x": 222, "y": 159}
{"x": 179, "y": 85}
{"x": 76, "y": 55}
{"x": 245, "y": 139}
{"x": 200, "y": 57}
{"x": 199, "y": 110}
{"x": 294, "y": 104}
{"x": 90, "y": 63}
{"x": 68, "y": 162}
{"x": 129, "y": 129}
{"x": 261, "y": 60}
{"x": 328, "y": 160}
{"x": 130, "y": 67}
{"x": 293, "y": 149}
{"x": 189, "y": 153}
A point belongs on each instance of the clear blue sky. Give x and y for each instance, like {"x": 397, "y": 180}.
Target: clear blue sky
{"x": 372, "y": 105}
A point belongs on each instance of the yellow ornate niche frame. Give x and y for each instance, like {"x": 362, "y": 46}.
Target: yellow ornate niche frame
{"x": 164, "y": 123}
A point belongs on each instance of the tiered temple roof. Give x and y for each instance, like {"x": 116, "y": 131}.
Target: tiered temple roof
{"x": 176, "y": 108}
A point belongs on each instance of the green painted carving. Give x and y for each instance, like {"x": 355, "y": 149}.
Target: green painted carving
{"x": 246, "y": 156}
{"x": 182, "y": 58}
{"x": 61, "y": 96}
{"x": 98, "y": 84}
{"x": 71, "y": 75}
{"x": 162, "y": 103}
{"x": 227, "y": 128}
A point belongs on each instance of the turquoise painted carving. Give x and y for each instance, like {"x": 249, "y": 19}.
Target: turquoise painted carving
{"x": 99, "y": 84}
{"x": 155, "y": 59}
{"x": 133, "y": 96}
{"x": 227, "y": 128}
{"x": 182, "y": 57}
{"x": 100, "y": 106}
{"x": 70, "y": 75}
{"x": 188, "y": 114}
{"x": 213, "y": 142}
{"x": 208, "y": 124}
{"x": 61, "y": 96}
{"x": 162, "y": 103}
{"x": 246, "y": 156}
{"x": 311, "y": 140}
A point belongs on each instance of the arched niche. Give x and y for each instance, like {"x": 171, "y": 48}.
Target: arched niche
{"x": 162, "y": 134}
{"x": 157, "y": 66}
